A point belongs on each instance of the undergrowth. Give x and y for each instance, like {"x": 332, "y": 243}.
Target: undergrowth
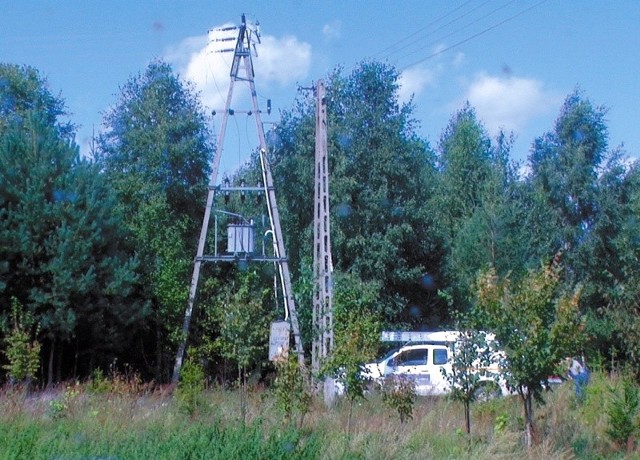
{"x": 107, "y": 421}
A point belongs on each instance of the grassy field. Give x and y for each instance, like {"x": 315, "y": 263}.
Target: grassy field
{"x": 125, "y": 421}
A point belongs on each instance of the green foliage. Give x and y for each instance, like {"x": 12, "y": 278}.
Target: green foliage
{"x": 356, "y": 334}
{"x": 22, "y": 350}
{"x": 62, "y": 406}
{"x": 470, "y": 360}
{"x": 62, "y": 241}
{"x": 381, "y": 172}
{"x": 155, "y": 152}
{"x": 242, "y": 320}
{"x": 536, "y": 325}
{"x": 565, "y": 165}
{"x": 98, "y": 426}
{"x": 465, "y": 165}
{"x": 477, "y": 203}
{"x": 290, "y": 389}
{"x": 577, "y": 191}
{"x": 242, "y": 316}
{"x": 623, "y": 411}
{"x": 619, "y": 320}
{"x": 190, "y": 387}
{"x": 98, "y": 383}
{"x": 399, "y": 394}
{"x": 23, "y": 91}
{"x": 159, "y": 439}
{"x": 116, "y": 382}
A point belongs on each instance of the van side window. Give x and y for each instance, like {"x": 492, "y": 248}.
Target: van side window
{"x": 439, "y": 356}
{"x": 412, "y": 357}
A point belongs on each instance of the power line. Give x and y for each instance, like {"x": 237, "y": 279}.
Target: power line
{"x": 416, "y": 43}
{"x": 482, "y": 32}
{"x": 393, "y": 45}
{"x": 459, "y": 29}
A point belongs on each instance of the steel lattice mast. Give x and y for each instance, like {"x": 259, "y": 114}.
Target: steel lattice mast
{"x": 242, "y": 59}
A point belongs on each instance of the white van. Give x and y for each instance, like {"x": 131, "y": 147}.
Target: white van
{"x": 424, "y": 362}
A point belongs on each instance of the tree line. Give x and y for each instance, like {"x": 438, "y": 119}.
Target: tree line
{"x": 96, "y": 253}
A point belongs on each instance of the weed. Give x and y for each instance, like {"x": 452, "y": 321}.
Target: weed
{"x": 82, "y": 424}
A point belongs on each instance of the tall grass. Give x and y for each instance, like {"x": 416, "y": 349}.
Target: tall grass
{"x": 73, "y": 422}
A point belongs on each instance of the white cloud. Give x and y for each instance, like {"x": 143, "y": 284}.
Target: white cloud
{"x": 333, "y": 30}
{"x": 180, "y": 55}
{"x": 283, "y": 60}
{"x": 198, "y": 59}
{"x": 413, "y": 81}
{"x": 509, "y": 102}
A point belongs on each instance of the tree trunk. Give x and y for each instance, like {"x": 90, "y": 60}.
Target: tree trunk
{"x": 530, "y": 436}
{"x": 59, "y": 364}
{"x": 158, "y": 371}
{"x": 50, "y": 364}
{"x": 349, "y": 418}
{"x": 243, "y": 393}
{"x": 467, "y": 417}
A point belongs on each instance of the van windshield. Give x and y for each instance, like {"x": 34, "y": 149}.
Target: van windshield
{"x": 388, "y": 355}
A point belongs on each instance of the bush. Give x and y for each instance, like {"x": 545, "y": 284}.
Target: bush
{"x": 290, "y": 389}
{"x": 399, "y": 393}
{"x": 622, "y": 412}
{"x": 22, "y": 352}
{"x": 191, "y": 386}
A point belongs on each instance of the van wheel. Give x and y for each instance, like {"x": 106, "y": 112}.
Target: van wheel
{"x": 486, "y": 391}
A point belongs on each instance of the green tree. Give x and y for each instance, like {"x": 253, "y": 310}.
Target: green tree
{"x": 582, "y": 195}
{"x": 22, "y": 351}
{"x": 24, "y": 91}
{"x": 290, "y": 389}
{"x": 464, "y": 163}
{"x": 63, "y": 258}
{"x": 155, "y": 152}
{"x": 565, "y": 164}
{"x": 477, "y": 204}
{"x": 356, "y": 335}
{"x": 535, "y": 324}
{"x": 243, "y": 318}
{"x": 381, "y": 175}
{"x": 471, "y": 358}
{"x": 621, "y": 312}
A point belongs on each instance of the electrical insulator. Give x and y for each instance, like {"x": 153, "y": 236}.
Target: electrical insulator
{"x": 268, "y": 106}
{"x": 243, "y": 193}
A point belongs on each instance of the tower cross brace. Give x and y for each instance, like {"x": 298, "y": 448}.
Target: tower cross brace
{"x": 242, "y": 59}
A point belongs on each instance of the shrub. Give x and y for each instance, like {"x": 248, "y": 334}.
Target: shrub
{"x": 399, "y": 393}
{"x": 622, "y": 412}
{"x": 290, "y": 389}
{"x": 22, "y": 352}
{"x": 191, "y": 386}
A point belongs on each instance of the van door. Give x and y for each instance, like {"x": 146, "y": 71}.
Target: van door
{"x": 440, "y": 360}
{"x": 414, "y": 363}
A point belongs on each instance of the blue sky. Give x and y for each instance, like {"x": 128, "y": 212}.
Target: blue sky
{"x": 513, "y": 60}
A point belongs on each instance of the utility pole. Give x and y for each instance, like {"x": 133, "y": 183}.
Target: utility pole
{"x": 322, "y": 263}
{"x": 242, "y": 58}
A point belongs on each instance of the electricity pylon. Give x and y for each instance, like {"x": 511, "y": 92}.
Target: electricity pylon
{"x": 242, "y": 58}
{"x": 322, "y": 263}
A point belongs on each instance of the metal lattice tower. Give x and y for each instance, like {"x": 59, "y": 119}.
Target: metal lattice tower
{"x": 242, "y": 59}
{"x": 322, "y": 266}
